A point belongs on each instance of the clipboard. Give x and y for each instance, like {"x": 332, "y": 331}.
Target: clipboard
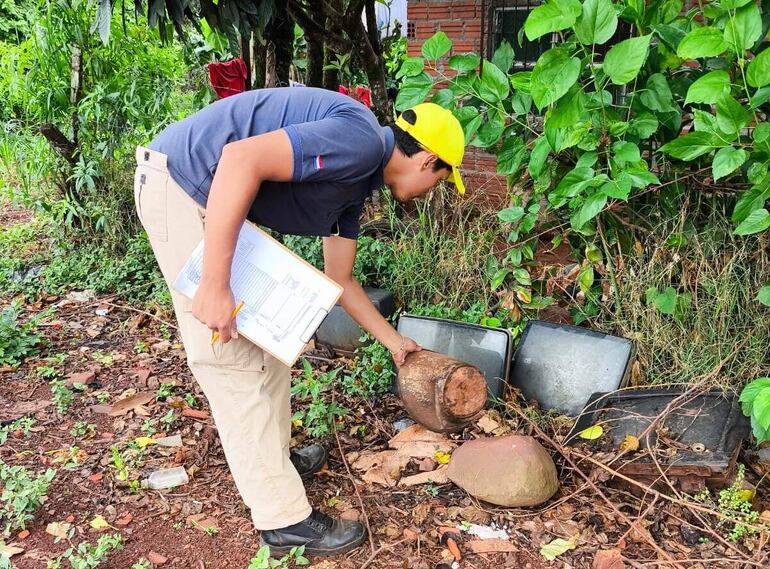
{"x": 285, "y": 297}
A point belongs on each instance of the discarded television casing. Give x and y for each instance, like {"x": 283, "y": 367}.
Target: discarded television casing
{"x": 341, "y": 332}
{"x": 560, "y": 366}
{"x": 696, "y": 443}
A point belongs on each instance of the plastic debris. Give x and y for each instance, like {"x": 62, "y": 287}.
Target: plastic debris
{"x": 167, "y": 478}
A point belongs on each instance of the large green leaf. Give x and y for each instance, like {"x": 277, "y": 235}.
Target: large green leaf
{"x": 666, "y": 301}
{"x": 641, "y": 178}
{"x": 413, "y": 91}
{"x": 758, "y": 220}
{"x": 657, "y": 96}
{"x": 758, "y": 71}
{"x": 752, "y": 199}
{"x": 551, "y": 16}
{"x": 667, "y": 10}
{"x": 691, "y": 145}
{"x": 644, "y": 125}
{"x": 554, "y": 73}
{"x": 597, "y": 23}
{"x": 727, "y": 160}
{"x": 761, "y": 408}
{"x": 444, "y": 98}
{"x": 411, "y": 67}
{"x": 731, "y": 115}
{"x": 709, "y": 88}
{"x": 574, "y": 182}
{"x": 671, "y": 35}
{"x": 538, "y": 157}
{"x": 624, "y": 60}
{"x": 625, "y": 151}
{"x": 569, "y": 109}
{"x": 743, "y": 28}
{"x": 618, "y": 189}
{"x": 707, "y": 41}
{"x": 510, "y": 156}
{"x": 593, "y": 205}
{"x": 503, "y": 57}
{"x": 494, "y": 83}
{"x": 750, "y": 392}
{"x": 522, "y": 81}
{"x": 489, "y": 132}
{"x": 464, "y": 62}
{"x": 436, "y": 46}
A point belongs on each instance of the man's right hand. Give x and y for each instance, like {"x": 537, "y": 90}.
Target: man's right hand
{"x": 213, "y": 304}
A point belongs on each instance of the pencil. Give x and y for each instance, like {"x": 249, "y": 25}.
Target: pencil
{"x": 215, "y": 333}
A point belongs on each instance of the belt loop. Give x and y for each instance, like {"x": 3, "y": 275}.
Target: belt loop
{"x": 146, "y": 156}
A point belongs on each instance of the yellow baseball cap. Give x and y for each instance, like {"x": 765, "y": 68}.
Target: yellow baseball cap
{"x": 439, "y": 132}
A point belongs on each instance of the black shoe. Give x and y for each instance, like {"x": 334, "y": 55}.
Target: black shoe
{"x": 308, "y": 460}
{"x": 321, "y": 535}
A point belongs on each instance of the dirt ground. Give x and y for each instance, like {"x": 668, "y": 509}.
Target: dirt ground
{"x": 173, "y": 522}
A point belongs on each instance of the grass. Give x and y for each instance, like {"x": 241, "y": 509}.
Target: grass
{"x": 722, "y": 273}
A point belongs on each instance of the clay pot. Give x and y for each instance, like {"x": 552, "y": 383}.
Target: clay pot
{"x": 439, "y": 392}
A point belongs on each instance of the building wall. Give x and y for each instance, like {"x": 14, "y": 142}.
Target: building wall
{"x": 461, "y": 21}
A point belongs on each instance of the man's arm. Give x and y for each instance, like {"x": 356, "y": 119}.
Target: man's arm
{"x": 339, "y": 256}
{"x": 242, "y": 167}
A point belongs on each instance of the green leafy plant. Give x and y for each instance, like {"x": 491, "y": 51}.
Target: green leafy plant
{"x": 319, "y": 415}
{"x": 83, "y": 429}
{"x": 61, "y": 395}
{"x": 262, "y": 560}
{"x": 17, "y": 341}
{"x": 592, "y": 126}
{"x": 755, "y": 403}
{"x": 164, "y": 391}
{"x": 87, "y": 555}
{"x": 372, "y": 370}
{"x": 734, "y": 502}
{"x": 142, "y": 564}
{"x": 22, "y": 494}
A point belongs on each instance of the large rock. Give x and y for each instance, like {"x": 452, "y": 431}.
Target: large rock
{"x": 507, "y": 471}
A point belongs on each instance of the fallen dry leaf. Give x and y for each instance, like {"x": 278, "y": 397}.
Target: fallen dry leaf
{"x": 437, "y": 476}
{"x": 10, "y": 550}
{"x": 629, "y": 444}
{"x": 557, "y": 547}
{"x": 608, "y": 559}
{"x": 58, "y": 529}
{"x": 130, "y": 403}
{"x": 491, "y": 545}
{"x": 99, "y": 523}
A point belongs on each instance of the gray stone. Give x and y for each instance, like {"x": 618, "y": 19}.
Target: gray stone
{"x": 507, "y": 471}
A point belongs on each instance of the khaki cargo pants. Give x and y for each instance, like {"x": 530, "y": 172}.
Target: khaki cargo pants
{"x": 247, "y": 389}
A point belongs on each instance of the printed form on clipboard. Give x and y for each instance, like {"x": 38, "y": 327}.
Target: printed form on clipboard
{"x": 285, "y": 298}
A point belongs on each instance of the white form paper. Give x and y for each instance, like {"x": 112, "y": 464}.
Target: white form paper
{"x": 285, "y": 298}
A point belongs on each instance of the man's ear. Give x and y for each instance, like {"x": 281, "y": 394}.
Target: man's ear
{"x": 428, "y": 160}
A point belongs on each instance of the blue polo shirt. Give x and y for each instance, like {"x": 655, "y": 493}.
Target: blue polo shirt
{"x": 339, "y": 150}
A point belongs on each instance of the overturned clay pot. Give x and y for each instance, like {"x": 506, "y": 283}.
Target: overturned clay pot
{"x": 439, "y": 392}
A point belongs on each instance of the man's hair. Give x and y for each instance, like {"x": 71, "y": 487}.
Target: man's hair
{"x": 409, "y": 146}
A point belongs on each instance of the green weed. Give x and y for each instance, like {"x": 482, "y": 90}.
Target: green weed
{"x": 87, "y": 555}
{"x": 83, "y": 429}
{"x": 61, "y": 395}
{"x": 17, "y": 340}
{"x": 21, "y": 496}
{"x": 372, "y": 371}
{"x": 262, "y": 560}
{"x": 733, "y": 502}
{"x": 319, "y": 415}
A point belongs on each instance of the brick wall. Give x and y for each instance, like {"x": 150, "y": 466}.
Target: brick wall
{"x": 461, "y": 21}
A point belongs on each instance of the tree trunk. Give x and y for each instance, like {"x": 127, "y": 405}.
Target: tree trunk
{"x": 315, "y": 61}
{"x": 258, "y": 59}
{"x": 331, "y": 79}
{"x": 246, "y": 55}
{"x": 374, "y": 69}
{"x": 281, "y": 34}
